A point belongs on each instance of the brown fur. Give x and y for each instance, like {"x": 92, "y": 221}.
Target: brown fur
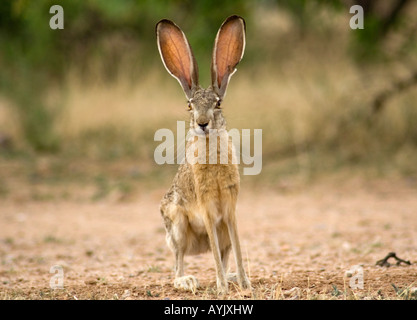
{"x": 199, "y": 208}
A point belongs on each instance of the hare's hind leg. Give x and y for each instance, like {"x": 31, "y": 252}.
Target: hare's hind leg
{"x": 176, "y": 225}
{"x": 189, "y": 282}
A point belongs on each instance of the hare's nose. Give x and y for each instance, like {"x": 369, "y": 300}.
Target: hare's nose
{"x": 203, "y": 125}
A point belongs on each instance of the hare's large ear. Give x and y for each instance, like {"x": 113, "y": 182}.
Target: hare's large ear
{"x": 177, "y": 55}
{"x": 229, "y": 47}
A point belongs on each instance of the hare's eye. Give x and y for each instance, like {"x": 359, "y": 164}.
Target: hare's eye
{"x": 219, "y": 102}
{"x": 190, "y": 107}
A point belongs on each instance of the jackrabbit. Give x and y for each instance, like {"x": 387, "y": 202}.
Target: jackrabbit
{"x": 199, "y": 208}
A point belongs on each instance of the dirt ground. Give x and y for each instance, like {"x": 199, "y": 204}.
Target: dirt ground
{"x": 298, "y": 243}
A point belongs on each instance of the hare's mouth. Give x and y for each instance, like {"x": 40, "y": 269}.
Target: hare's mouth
{"x": 208, "y": 132}
{"x": 202, "y": 128}
{"x": 201, "y": 131}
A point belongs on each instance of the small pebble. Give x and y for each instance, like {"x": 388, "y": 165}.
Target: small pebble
{"x": 91, "y": 281}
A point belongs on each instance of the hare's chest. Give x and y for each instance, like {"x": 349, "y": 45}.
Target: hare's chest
{"x": 214, "y": 181}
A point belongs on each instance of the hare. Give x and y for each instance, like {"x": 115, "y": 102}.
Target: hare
{"x": 199, "y": 208}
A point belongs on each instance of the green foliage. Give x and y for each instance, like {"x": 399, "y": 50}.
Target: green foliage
{"x": 303, "y": 11}
{"x": 33, "y": 56}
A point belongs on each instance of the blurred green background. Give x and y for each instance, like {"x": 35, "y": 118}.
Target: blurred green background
{"x": 79, "y": 106}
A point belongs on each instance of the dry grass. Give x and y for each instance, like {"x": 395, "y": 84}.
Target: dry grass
{"x": 297, "y": 244}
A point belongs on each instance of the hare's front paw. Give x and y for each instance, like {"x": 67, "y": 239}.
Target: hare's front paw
{"x": 243, "y": 281}
{"x": 189, "y": 283}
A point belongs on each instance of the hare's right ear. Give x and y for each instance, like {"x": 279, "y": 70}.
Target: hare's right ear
{"x": 229, "y": 47}
{"x": 177, "y": 55}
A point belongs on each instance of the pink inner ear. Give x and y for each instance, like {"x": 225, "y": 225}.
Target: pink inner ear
{"x": 175, "y": 52}
{"x": 230, "y": 43}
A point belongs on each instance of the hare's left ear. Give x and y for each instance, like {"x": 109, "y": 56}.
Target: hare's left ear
{"x": 177, "y": 55}
{"x": 229, "y": 47}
